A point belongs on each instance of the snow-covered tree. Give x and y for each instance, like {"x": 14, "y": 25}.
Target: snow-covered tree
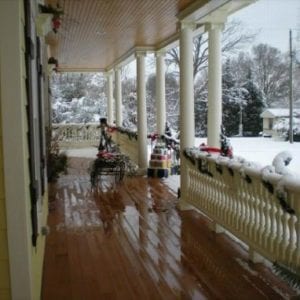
{"x": 232, "y": 100}
{"x": 270, "y": 72}
{"x": 255, "y": 104}
{"x": 201, "y": 105}
{"x": 77, "y": 97}
{"x": 129, "y": 101}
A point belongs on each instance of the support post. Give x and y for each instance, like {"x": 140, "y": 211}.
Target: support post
{"x": 110, "y": 98}
{"x": 141, "y": 111}
{"x": 187, "y": 121}
{"x": 291, "y": 130}
{"x": 118, "y": 95}
{"x": 160, "y": 93}
{"x": 214, "y": 115}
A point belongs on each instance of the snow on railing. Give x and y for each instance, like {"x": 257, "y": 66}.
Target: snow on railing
{"x": 257, "y": 205}
{"x": 77, "y": 134}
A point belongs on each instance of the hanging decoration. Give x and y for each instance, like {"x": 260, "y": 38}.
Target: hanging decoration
{"x": 57, "y": 12}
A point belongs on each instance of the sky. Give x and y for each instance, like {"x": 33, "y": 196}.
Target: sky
{"x": 270, "y": 19}
{"x": 273, "y": 19}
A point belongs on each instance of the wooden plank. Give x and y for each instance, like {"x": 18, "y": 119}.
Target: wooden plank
{"x": 129, "y": 250}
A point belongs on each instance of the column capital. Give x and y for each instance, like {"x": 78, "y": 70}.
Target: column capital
{"x": 160, "y": 53}
{"x": 108, "y": 73}
{"x": 187, "y": 24}
{"x": 140, "y": 53}
{"x": 117, "y": 68}
{"x": 212, "y": 26}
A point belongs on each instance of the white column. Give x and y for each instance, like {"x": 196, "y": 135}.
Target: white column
{"x": 110, "y": 98}
{"x": 214, "y": 115}
{"x": 141, "y": 110}
{"x": 118, "y": 95}
{"x": 160, "y": 93}
{"x": 187, "y": 121}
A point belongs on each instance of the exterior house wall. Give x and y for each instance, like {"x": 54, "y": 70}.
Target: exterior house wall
{"x": 276, "y": 119}
{"x": 268, "y": 124}
{"x": 20, "y": 263}
{"x": 4, "y": 262}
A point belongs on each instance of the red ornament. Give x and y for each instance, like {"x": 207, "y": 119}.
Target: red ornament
{"x": 56, "y": 23}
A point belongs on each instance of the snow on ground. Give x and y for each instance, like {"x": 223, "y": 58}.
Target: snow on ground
{"x": 263, "y": 150}
{"x": 257, "y": 149}
{"x": 82, "y": 152}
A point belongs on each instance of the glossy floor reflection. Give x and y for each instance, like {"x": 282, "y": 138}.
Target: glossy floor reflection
{"x": 128, "y": 241}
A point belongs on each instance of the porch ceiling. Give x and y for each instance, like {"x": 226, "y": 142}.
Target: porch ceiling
{"x": 95, "y": 34}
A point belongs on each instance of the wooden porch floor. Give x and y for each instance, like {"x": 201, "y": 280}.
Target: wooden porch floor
{"x": 132, "y": 243}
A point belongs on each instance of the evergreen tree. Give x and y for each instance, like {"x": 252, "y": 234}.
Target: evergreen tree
{"x": 201, "y": 106}
{"x": 172, "y": 101}
{"x": 232, "y": 101}
{"x": 255, "y": 104}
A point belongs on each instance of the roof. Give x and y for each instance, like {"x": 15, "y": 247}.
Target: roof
{"x": 279, "y": 112}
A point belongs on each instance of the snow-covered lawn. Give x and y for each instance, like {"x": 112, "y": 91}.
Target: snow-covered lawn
{"x": 263, "y": 150}
{"x": 90, "y": 152}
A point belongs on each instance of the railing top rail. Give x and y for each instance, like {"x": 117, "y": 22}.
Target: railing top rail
{"x": 264, "y": 173}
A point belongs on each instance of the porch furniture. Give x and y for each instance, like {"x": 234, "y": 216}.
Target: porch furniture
{"x": 108, "y": 164}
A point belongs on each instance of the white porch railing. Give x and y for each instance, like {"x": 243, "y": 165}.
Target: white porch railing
{"x": 76, "y": 135}
{"x": 87, "y": 135}
{"x": 128, "y": 143}
{"x": 247, "y": 204}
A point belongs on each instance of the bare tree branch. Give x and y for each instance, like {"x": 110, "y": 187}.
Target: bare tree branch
{"x": 234, "y": 37}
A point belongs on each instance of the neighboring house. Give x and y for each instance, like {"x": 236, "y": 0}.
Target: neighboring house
{"x": 276, "y": 121}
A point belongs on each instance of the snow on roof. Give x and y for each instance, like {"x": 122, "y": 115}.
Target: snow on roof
{"x": 278, "y": 112}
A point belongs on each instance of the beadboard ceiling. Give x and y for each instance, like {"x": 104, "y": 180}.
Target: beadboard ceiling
{"x": 95, "y": 34}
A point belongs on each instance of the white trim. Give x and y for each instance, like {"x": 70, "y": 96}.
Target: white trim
{"x": 197, "y": 12}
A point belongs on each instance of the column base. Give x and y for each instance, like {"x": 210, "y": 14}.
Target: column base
{"x": 254, "y": 256}
{"x": 184, "y": 205}
{"x": 141, "y": 171}
{"x": 214, "y": 226}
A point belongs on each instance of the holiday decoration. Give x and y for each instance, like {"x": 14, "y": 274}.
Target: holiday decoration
{"x": 291, "y": 276}
{"x": 160, "y": 162}
{"x": 225, "y": 150}
{"x": 57, "y": 12}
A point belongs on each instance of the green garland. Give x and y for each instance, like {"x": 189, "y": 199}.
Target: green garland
{"x": 130, "y": 134}
{"x": 292, "y": 277}
{"x": 281, "y": 197}
{"x": 188, "y": 155}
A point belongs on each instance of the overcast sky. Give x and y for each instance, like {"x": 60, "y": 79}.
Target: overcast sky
{"x": 274, "y": 18}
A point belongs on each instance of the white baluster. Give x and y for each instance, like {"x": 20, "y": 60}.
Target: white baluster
{"x": 261, "y": 225}
{"x": 296, "y": 253}
{"x": 278, "y": 230}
